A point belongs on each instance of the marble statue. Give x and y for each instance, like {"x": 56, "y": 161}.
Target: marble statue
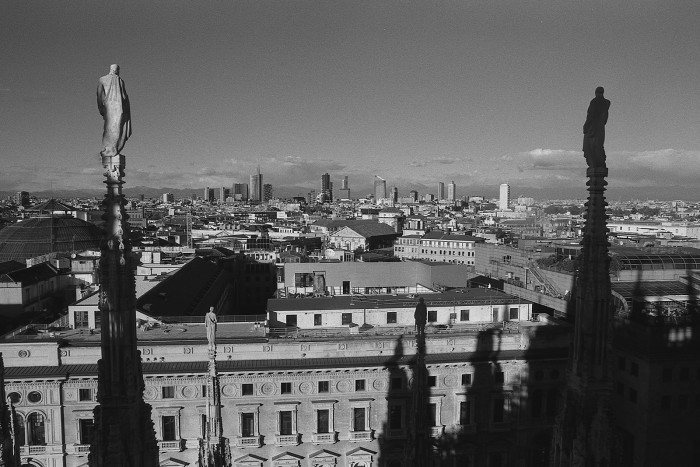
{"x": 594, "y": 130}
{"x": 210, "y": 323}
{"x": 113, "y": 104}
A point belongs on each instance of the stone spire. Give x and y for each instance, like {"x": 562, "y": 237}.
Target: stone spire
{"x": 214, "y": 450}
{"x": 9, "y": 448}
{"x": 583, "y": 432}
{"x": 124, "y": 434}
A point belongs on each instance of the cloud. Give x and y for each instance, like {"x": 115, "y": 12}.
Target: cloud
{"x": 444, "y": 160}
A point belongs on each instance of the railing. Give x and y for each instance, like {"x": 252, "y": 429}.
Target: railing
{"x": 324, "y": 438}
{"x": 260, "y": 318}
{"x": 549, "y": 287}
{"x": 248, "y": 441}
{"x": 170, "y": 445}
{"x": 287, "y": 440}
{"x": 81, "y": 448}
{"x": 37, "y": 450}
{"x": 361, "y": 435}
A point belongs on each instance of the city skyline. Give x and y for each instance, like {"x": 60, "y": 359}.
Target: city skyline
{"x": 481, "y": 94}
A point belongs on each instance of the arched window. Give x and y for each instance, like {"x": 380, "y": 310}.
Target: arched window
{"x": 36, "y": 429}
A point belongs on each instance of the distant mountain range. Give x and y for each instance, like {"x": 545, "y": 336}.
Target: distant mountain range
{"x": 612, "y": 194}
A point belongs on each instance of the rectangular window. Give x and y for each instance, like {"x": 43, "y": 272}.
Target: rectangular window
{"x": 168, "y": 423}
{"x": 247, "y": 424}
{"x": 291, "y": 320}
{"x": 204, "y": 425}
{"x": 303, "y": 279}
{"x": 465, "y": 412}
{"x": 432, "y": 414}
{"x": 359, "y": 385}
{"x": 499, "y": 377}
{"x": 204, "y": 390}
{"x": 432, "y": 316}
{"x": 684, "y": 374}
{"x": 346, "y": 318}
{"x": 247, "y": 389}
{"x": 682, "y": 402}
{"x": 318, "y": 319}
{"x": 324, "y": 386}
{"x": 286, "y": 388}
{"x": 87, "y": 428}
{"x": 395, "y": 417}
{"x": 464, "y": 315}
{"x": 84, "y": 394}
{"x": 168, "y": 392}
{"x": 432, "y": 381}
{"x": 514, "y": 313}
{"x": 620, "y": 388}
{"x": 285, "y": 422}
{"x": 390, "y": 317}
{"x": 323, "y": 421}
{"x": 634, "y": 369}
{"x": 466, "y": 379}
{"x": 498, "y": 409}
{"x": 396, "y": 383}
{"x": 358, "y": 419}
{"x": 81, "y": 319}
{"x": 666, "y": 402}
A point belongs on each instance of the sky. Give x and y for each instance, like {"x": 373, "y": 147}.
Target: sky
{"x": 417, "y": 92}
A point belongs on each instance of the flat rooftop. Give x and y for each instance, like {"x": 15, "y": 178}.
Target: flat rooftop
{"x": 459, "y": 297}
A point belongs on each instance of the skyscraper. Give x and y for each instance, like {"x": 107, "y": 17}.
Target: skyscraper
{"x": 379, "y": 188}
{"x": 209, "y": 194}
{"x": 256, "y": 186}
{"x": 224, "y": 193}
{"x": 267, "y": 192}
{"x": 451, "y": 191}
{"x": 441, "y": 191}
{"x": 395, "y": 195}
{"x": 326, "y": 190}
{"x": 240, "y": 191}
{"x": 344, "y": 183}
{"x": 505, "y": 197}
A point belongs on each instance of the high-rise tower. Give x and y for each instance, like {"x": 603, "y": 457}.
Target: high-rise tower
{"x": 441, "y": 191}
{"x": 256, "y": 187}
{"x": 379, "y": 188}
{"x": 504, "y": 199}
{"x": 326, "y": 190}
{"x": 451, "y": 191}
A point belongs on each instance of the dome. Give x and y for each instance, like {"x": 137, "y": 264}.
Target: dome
{"x": 38, "y": 236}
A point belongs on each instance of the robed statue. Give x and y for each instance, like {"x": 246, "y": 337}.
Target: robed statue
{"x": 210, "y": 323}
{"x": 594, "y": 130}
{"x": 113, "y": 104}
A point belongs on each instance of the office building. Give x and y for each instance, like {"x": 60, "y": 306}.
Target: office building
{"x": 344, "y": 183}
{"x": 440, "y": 191}
{"x": 240, "y": 191}
{"x": 451, "y": 191}
{"x": 209, "y": 195}
{"x": 224, "y": 192}
{"x": 326, "y": 188}
{"x": 256, "y": 187}
{"x": 395, "y": 195}
{"x": 379, "y": 188}
{"x": 267, "y": 192}
{"x": 168, "y": 197}
{"x": 504, "y": 200}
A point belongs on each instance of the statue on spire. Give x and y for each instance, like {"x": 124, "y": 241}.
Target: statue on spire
{"x": 594, "y": 130}
{"x": 113, "y": 104}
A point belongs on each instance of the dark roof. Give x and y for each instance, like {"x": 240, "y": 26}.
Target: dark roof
{"x": 52, "y": 205}
{"x": 9, "y": 266}
{"x": 439, "y": 235}
{"x": 373, "y": 229}
{"x": 189, "y": 291}
{"x": 31, "y": 275}
{"x": 41, "y": 235}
